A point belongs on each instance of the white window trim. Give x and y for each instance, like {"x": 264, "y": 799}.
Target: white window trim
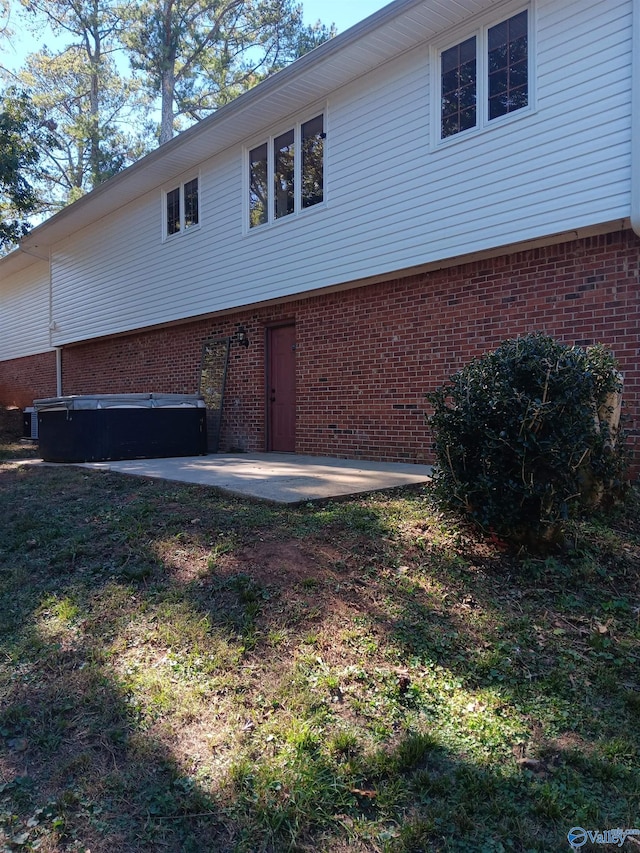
{"x": 183, "y": 230}
{"x": 479, "y": 28}
{"x": 269, "y": 137}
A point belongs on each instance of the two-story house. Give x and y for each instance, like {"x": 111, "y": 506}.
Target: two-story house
{"x": 438, "y": 178}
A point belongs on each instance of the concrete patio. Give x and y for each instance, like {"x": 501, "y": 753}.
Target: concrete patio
{"x": 277, "y": 477}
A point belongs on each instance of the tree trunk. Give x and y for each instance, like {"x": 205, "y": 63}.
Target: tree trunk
{"x": 166, "y": 120}
{"x": 168, "y": 74}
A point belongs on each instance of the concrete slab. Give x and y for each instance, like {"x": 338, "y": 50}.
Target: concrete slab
{"x": 277, "y": 477}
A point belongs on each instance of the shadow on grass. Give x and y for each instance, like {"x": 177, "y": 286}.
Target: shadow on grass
{"x": 77, "y": 770}
{"x": 168, "y": 686}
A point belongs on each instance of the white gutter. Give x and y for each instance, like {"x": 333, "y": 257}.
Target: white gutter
{"x": 635, "y": 117}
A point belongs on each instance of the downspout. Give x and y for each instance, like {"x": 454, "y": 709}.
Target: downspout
{"x": 52, "y": 328}
{"x": 52, "y": 325}
{"x": 58, "y": 371}
{"x": 635, "y": 116}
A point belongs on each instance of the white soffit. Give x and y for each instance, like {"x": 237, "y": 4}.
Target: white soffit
{"x": 16, "y": 261}
{"x": 394, "y": 29}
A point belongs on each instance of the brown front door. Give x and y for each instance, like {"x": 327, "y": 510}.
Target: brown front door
{"x": 281, "y": 389}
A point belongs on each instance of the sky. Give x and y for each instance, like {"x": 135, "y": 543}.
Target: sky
{"x": 342, "y": 13}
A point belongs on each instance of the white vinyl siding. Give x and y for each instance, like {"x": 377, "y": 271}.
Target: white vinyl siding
{"x": 392, "y": 199}
{"x": 24, "y": 315}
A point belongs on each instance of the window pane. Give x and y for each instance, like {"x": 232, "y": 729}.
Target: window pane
{"x": 191, "y": 203}
{"x": 467, "y": 118}
{"x": 499, "y": 36}
{"x": 518, "y": 75}
{"x": 498, "y": 59}
{"x": 498, "y": 82}
{"x": 518, "y": 26}
{"x": 458, "y": 87}
{"x": 173, "y": 211}
{"x": 508, "y": 66}
{"x": 258, "y": 190}
{"x": 313, "y": 161}
{"x": 283, "y": 148}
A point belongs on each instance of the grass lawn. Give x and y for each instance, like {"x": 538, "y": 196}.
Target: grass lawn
{"x": 185, "y": 671}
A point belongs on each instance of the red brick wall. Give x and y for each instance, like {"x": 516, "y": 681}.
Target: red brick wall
{"x": 366, "y": 357}
{"x": 23, "y": 380}
{"x": 165, "y": 360}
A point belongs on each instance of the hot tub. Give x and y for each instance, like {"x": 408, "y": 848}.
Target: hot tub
{"x": 99, "y": 427}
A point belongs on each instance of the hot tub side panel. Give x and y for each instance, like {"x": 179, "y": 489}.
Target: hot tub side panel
{"x": 97, "y": 435}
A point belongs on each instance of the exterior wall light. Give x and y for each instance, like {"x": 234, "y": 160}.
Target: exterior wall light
{"x": 241, "y": 337}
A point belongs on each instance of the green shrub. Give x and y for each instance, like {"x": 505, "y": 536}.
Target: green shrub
{"x": 527, "y": 436}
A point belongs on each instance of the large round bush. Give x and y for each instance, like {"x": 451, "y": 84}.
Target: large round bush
{"x": 527, "y": 435}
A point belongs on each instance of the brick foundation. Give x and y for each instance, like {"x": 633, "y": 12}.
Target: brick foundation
{"x": 367, "y": 356}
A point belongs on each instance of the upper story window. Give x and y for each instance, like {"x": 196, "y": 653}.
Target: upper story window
{"x": 286, "y": 173}
{"x": 182, "y": 209}
{"x": 485, "y": 76}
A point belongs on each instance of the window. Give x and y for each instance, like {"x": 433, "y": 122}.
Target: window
{"x": 286, "y": 174}
{"x": 182, "y": 208}
{"x": 258, "y": 187}
{"x": 312, "y": 162}
{"x": 484, "y": 77}
{"x": 508, "y": 66}
{"x": 173, "y": 211}
{"x": 458, "y": 83}
{"x": 191, "y": 203}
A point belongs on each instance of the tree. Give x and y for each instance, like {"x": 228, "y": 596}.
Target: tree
{"x": 82, "y": 90}
{"x": 195, "y": 55}
{"x": 4, "y": 18}
{"x": 21, "y": 129}
{"x": 313, "y": 36}
{"x": 86, "y": 147}
{"x": 6, "y": 32}
{"x": 200, "y": 54}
